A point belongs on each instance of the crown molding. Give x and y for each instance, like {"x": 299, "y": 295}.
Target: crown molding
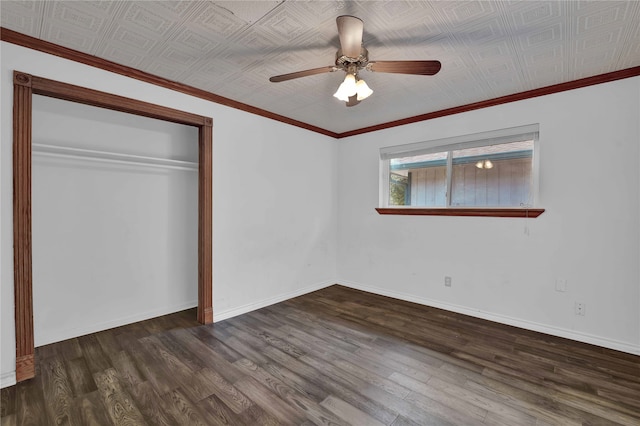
{"x": 29, "y": 42}
{"x": 542, "y": 91}
{"x": 23, "y": 40}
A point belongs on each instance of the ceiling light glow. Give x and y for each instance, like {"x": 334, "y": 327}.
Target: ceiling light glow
{"x": 486, "y": 164}
{"x": 363, "y": 90}
{"x": 349, "y": 87}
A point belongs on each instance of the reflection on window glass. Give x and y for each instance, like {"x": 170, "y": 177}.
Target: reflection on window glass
{"x": 492, "y": 176}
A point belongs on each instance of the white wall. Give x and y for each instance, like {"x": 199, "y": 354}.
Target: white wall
{"x": 589, "y": 234}
{"x": 274, "y": 214}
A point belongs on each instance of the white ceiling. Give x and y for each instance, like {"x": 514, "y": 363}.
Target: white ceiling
{"x": 488, "y": 49}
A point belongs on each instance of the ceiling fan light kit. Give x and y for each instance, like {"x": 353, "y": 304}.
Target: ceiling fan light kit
{"x": 353, "y": 86}
{"x": 353, "y": 57}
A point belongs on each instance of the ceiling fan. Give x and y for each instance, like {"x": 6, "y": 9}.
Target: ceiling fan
{"x": 353, "y": 57}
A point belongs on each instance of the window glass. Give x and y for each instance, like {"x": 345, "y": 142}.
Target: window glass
{"x": 492, "y": 176}
{"x": 489, "y": 169}
{"x": 424, "y": 178}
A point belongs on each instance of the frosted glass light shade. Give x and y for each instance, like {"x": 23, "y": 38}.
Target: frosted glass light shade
{"x": 363, "y": 90}
{"x": 347, "y": 88}
{"x": 340, "y": 94}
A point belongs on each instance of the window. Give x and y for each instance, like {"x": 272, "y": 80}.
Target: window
{"x": 490, "y": 170}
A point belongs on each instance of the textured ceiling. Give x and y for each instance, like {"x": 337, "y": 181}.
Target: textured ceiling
{"x": 488, "y": 49}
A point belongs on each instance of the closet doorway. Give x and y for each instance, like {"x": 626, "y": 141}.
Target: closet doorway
{"x": 25, "y": 86}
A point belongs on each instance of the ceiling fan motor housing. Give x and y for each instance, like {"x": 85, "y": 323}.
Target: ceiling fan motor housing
{"x": 346, "y": 63}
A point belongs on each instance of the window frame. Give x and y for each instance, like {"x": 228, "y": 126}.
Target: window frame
{"x": 448, "y": 145}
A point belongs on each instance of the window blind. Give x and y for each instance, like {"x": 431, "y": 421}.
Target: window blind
{"x": 494, "y": 137}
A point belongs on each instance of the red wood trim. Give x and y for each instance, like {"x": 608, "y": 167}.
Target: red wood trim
{"x": 548, "y": 90}
{"x": 24, "y": 87}
{"x": 24, "y": 40}
{"x": 22, "y": 276}
{"x": 205, "y": 216}
{"x": 25, "y": 367}
{"x": 83, "y": 95}
{"x": 464, "y": 211}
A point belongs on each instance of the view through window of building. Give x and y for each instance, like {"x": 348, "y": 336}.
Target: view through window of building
{"x": 493, "y": 169}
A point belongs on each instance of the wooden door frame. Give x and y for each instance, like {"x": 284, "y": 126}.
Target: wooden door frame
{"x": 24, "y": 87}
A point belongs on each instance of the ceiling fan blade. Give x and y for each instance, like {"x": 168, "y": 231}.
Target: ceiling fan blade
{"x": 353, "y": 101}
{"x": 298, "y": 74}
{"x": 406, "y": 67}
{"x": 350, "y": 30}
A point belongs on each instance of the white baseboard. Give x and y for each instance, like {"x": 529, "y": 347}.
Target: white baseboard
{"x": 7, "y": 379}
{"x": 230, "y": 313}
{"x": 96, "y": 327}
{"x": 502, "y": 319}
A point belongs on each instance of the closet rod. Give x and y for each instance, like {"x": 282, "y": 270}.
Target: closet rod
{"x": 111, "y": 157}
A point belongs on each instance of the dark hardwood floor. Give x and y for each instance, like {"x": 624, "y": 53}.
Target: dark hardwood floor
{"x": 335, "y": 356}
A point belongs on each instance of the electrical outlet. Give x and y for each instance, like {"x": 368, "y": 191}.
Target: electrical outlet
{"x": 447, "y": 281}
{"x": 580, "y": 308}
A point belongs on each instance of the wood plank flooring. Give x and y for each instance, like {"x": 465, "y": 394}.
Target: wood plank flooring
{"x": 336, "y": 356}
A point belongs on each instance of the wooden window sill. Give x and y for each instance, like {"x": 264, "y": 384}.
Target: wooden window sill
{"x": 464, "y": 211}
